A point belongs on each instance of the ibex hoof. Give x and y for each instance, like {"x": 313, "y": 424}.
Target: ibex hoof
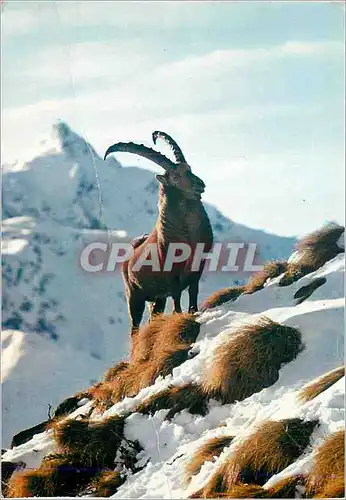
{"x": 193, "y": 310}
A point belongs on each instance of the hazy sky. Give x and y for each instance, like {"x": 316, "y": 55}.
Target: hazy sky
{"x": 253, "y": 92}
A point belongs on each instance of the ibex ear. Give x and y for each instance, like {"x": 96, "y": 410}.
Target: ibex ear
{"x": 162, "y": 179}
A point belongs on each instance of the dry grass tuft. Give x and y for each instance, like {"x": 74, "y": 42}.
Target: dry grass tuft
{"x": 237, "y": 491}
{"x": 207, "y": 452}
{"x": 251, "y": 360}
{"x": 7, "y": 469}
{"x": 314, "y": 250}
{"x": 163, "y": 335}
{"x": 94, "y": 442}
{"x": 246, "y": 364}
{"x": 106, "y": 483}
{"x": 189, "y": 397}
{"x": 327, "y": 475}
{"x": 273, "y": 447}
{"x": 333, "y": 489}
{"x": 321, "y": 245}
{"x": 321, "y": 384}
{"x": 127, "y": 382}
{"x": 31, "y": 483}
{"x": 70, "y": 404}
{"x": 157, "y": 348}
{"x": 294, "y": 272}
{"x": 86, "y": 449}
{"x": 221, "y": 296}
{"x": 286, "y": 488}
{"x": 58, "y": 475}
{"x": 113, "y": 372}
{"x": 245, "y": 491}
{"x": 270, "y": 270}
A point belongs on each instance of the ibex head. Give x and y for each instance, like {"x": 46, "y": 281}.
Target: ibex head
{"x": 178, "y": 174}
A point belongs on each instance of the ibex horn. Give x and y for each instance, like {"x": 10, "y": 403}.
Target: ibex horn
{"x": 178, "y": 155}
{"x": 139, "y": 149}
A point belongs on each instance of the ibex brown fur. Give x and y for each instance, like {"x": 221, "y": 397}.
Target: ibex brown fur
{"x": 182, "y": 219}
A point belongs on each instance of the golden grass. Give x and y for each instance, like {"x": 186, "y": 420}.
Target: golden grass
{"x": 128, "y": 383}
{"x": 294, "y": 272}
{"x": 333, "y": 489}
{"x": 251, "y": 360}
{"x": 321, "y": 384}
{"x": 189, "y": 397}
{"x": 327, "y": 474}
{"x": 286, "y": 488}
{"x": 206, "y": 453}
{"x": 94, "y": 442}
{"x": 163, "y": 335}
{"x": 244, "y": 491}
{"x": 70, "y": 404}
{"x": 86, "y": 451}
{"x": 221, "y": 296}
{"x": 7, "y": 469}
{"x": 58, "y": 475}
{"x": 106, "y": 484}
{"x": 113, "y": 372}
{"x": 320, "y": 246}
{"x": 269, "y": 450}
{"x": 270, "y": 270}
{"x": 314, "y": 250}
{"x": 157, "y": 348}
{"x": 29, "y": 483}
{"x": 237, "y": 491}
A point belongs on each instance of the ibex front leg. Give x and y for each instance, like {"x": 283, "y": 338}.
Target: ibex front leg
{"x": 193, "y": 295}
{"x": 157, "y": 307}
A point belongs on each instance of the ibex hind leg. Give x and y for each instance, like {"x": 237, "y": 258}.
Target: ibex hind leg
{"x": 136, "y": 305}
{"x": 157, "y": 307}
{"x": 176, "y": 294}
{"x": 176, "y": 301}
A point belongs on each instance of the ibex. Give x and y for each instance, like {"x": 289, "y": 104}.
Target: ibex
{"x": 182, "y": 219}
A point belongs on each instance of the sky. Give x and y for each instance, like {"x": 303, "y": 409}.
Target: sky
{"x": 252, "y": 91}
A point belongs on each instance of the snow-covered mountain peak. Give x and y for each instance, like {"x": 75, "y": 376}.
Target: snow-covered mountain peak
{"x": 76, "y": 147}
{"x": 70, "y": 143}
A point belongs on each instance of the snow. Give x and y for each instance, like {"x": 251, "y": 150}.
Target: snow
{"x": 341, "y": 241}
{"x": 169, "y": 445}
{"x": 53, "y": 208}
{"x": 31, "y": 366}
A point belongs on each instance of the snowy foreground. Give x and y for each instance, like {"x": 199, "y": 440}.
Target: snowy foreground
{"x": 169, "y": 445}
